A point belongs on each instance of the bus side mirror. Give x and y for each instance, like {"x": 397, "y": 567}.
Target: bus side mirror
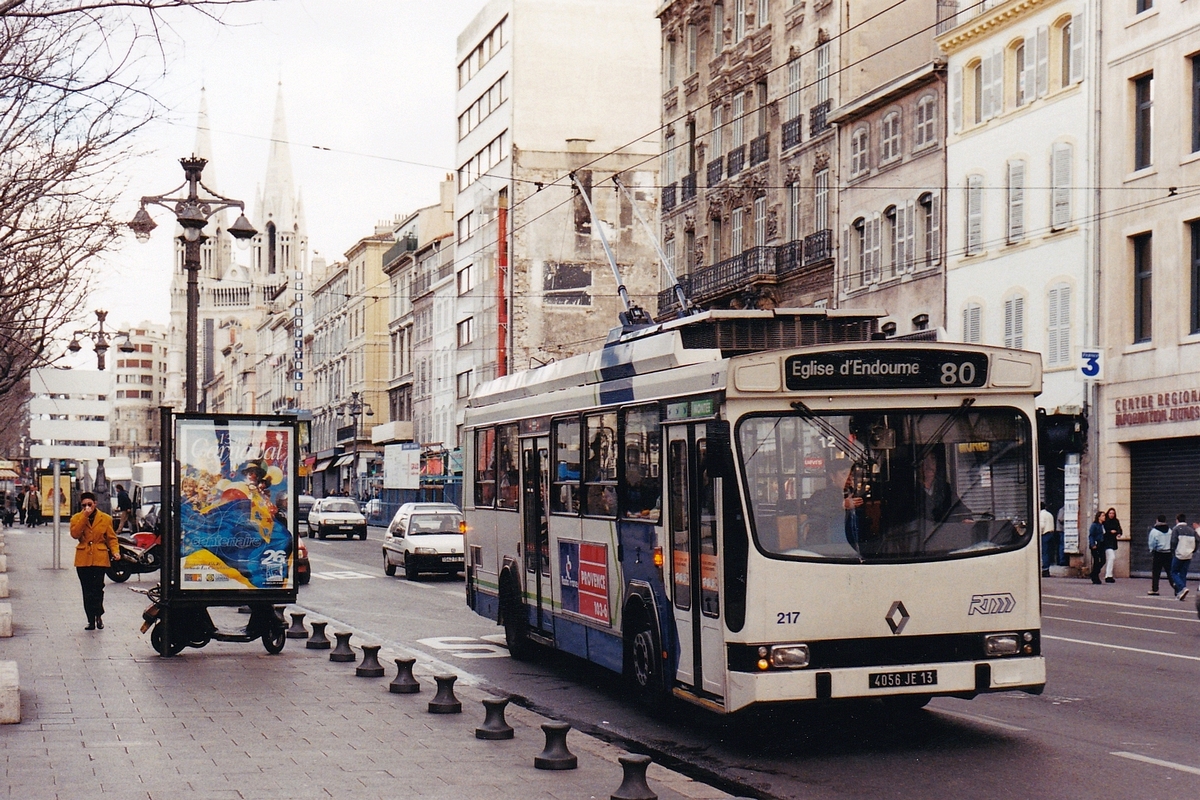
{"x": 720, "y": 449}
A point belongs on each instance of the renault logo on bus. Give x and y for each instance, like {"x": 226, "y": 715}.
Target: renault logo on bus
{"x": 897, "y": 617}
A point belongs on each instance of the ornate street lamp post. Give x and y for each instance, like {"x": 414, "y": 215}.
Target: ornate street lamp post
{"x": 99, "y": 339}
{"x": 356, "y": 408}
{"x": 192, "y": 212}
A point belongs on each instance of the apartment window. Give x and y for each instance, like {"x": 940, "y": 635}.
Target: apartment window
{"x": 1060, "y": 185}
{"x": 794, "y": 211}
{"x": 893, "y": 234}
{"x": 926, "y": 128}
{"x": 669, "y": 160}
{"x": 735, "y": 231}
{"x": 761, "y": 16}
{"x": 760, "y": 222}
{"x": 861, "y": 251}
{"x": 1143, "y": 120}
{"x": 974, "y": 237}
{"x": 1016, "y": 201}
{"x": 1195, "y": 104}
{"x": 739, "y": 20}
{"x": 466, "y": 279}
{"x": 859, "y": 142}
{"x": 739, "y": 121}
{"x": 889, "y": 145}
{"x": 794, "y": 84}
{"x": 693, "y": 44}
{"x": 1071, "y": 38}
{"x": 1014, "y": 322}
{"x": 1143, "y": 5}
{"x": 671, "y": 58}
{"x": 1195, "y": 303}
{"x": 466, "y": 331}
{"x": 973, "y": 323}
{"x": 463, "y": 385}
{"x": 823, "y": 53}
{"x": 1058, "y": 328}
{"x": 1022, "y": 91}
{"x": 763, "y": 106}
{"x": 1142, "y": 298}
{"x": 717, "y": 234}
{"x": 821, "y": 200}
{"x": 718, "y": 132}
{"x": 977, "y": 84}
{"x": 718, "y": 28}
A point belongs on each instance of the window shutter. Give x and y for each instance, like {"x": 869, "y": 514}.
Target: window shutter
{"x": 1018, "y": 322}
{"x": 971, "y": 323}
{"x": 1029, "y": 70}
{"x": 997, "y": 83}
{"x": 985, "y": 77}
{"x": 974, "y": 214}
{"x": 1077, "y": 39}
{"x": 1008, "y": 323}
{"x": 910, "y": 235}
{"x": 1016, "y": 201}
{"x": 1063, "y": 354}
{"x": 1043, "y": 60}
{"x": 1060, "y": 181}
{"x": 956, "y": 99}
{"x": 1052, "y": 327}
{"x": 935, "y": 226}
{"x": 876, "y": 247}
{"x": 868, "y": 251}
{"x": 846, "y": 255}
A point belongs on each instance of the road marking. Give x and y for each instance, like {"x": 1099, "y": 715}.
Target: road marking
{"x": 1151, "y": 616}
{"x": 1056, "y": 605}
{"x": 1111, "y": 625}
{"x": 1122, "y": 647}
{"x": 1158, "y": 762}
{"x": 344, "y": 575}
{"x": 464, "y": 647}
{"x": 981, "y": 720}
{"x": 1115, "y": 603}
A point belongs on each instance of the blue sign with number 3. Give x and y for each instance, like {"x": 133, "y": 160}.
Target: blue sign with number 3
{"x": 1092, "y": 367}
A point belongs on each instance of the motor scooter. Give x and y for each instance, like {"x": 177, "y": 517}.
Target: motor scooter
{"x": 140, "y": 552}
{"x": 191, "y": 626}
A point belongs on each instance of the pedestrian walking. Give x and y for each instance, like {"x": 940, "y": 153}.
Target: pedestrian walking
{"x": 1046, "y": 528}
{"x": 97, "y": 547}
{"x": 125, "y": 506}
{"x": 1183, "y": 544}
{"x": 1096, "y": 545}
{"x": 1159, "y": 542}
{"x": 21, "y": 506}
{"x": 33, "y": 508}
{"x": 1112, "y": 531}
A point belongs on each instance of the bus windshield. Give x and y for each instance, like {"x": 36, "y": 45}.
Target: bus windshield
{"x": 888, "y": 486}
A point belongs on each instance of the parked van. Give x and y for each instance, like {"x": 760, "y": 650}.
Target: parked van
{"x": 147, "y": 493}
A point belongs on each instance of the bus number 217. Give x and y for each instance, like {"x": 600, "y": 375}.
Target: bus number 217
{"x": 787, "y": 617}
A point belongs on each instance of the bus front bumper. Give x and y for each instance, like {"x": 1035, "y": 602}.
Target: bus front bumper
{"x": 959, "y": 679}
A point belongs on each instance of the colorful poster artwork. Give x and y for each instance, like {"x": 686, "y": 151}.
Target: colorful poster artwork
{"x": 64, "y": 496}
{"x": 234, "y": 493}
{"x": 583, "y": 579}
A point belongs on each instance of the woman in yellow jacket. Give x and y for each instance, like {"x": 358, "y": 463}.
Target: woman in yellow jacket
{"x": 97, "y": 546}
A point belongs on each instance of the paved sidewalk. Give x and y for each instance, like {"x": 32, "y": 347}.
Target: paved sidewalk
{"x": 104, "y": 716}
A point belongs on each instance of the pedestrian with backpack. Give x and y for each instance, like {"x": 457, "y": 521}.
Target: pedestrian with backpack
{"x": 1183, "y": 545}
{"x": 1159, "y": 540}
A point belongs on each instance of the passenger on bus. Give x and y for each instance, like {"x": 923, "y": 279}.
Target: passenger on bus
{"x": 833, "y": 512}
{"x": 936, "y": 500}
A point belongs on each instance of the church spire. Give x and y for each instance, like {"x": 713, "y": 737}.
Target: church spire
{"x": 277, "y": 200}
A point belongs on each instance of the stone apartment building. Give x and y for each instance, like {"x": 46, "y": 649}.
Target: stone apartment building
{"x": 750, "y": 155}
{"x": 140, "y": 381}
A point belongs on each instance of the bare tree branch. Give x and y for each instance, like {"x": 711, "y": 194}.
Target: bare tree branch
{"x": 44, "y": 10}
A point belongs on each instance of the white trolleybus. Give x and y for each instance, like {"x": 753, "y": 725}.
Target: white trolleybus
{"x": 755, "y": 507}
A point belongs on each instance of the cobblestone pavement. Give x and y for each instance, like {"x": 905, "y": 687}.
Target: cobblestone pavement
{"x": 105, "y": 716}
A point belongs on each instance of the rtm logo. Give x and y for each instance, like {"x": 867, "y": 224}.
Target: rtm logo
{"x": 992, "y": 604}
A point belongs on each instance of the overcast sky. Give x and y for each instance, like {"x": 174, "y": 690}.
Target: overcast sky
{"x": 369, "y": 93}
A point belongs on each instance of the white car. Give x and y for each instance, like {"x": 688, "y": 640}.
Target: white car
{"x": 425, "y": 537}
{"x": 336, "y": 515}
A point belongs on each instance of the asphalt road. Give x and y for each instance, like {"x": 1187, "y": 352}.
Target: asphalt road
{"x": 1116, "y": 721}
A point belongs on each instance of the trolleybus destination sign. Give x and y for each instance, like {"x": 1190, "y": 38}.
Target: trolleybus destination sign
{"x": 886, "y": 369}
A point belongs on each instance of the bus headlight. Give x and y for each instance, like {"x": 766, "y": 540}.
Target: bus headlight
{"x": 1001, "y": 644}
{"x": 789, "y": 656}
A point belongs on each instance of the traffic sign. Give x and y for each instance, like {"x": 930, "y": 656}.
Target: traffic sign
{"x": 1091, "y": 365}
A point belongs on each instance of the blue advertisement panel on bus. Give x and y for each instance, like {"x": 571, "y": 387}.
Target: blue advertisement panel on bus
{"x": 235, "y": 488}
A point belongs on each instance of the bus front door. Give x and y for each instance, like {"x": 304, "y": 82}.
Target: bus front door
{"x": 695, "y": 586}
{"x": 535, "y": 494}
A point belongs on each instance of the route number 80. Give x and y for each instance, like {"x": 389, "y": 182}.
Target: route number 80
{"x": 958, "y": 374}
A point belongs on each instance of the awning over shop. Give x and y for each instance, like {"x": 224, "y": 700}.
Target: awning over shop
{"x": 344, "y": 460}
{"x": 8, "y": 475}
{"x": 323, "y": 465}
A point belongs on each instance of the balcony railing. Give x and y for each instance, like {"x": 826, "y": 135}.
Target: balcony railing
{"x": 818, "y": 247}
{"x": 760, "y": 149}
{"x": 733, "y": 273}
{"x": 737, "y": 160}
{"x": 668, "y": 300}
{"x": 421, "y": 284}
{"x": 793, "y": 129}
{"x": 687, "y": 188}
{"x": 818, "y": 118}
{"x": 668, "y": 197}
{"x": 789, "y": 257}
{"x": 716, "y": 169}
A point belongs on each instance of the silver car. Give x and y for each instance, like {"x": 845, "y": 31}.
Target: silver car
{"x": 425, "y": 537}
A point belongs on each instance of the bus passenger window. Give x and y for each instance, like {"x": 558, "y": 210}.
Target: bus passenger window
{"x": 485, "y": 468}
{"x": 600, "y": 473}
{"x": 641, "y": 491}
{"x": 564, "y": 498}
{"x": 508, "y": 477}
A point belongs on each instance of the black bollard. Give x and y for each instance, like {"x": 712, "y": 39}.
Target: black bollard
{"x": 494, "y": 726}
{"x": 404, "y": 683}
{"x": 318, "y": 640}
{"x": 297, "y": 631}
{"x": 341, "y": 651}
{"x": 444, "y": 702}
{"x": 556, "y": 755}
{"x": 633, "y": 785}
{"x": 370, "y": 667}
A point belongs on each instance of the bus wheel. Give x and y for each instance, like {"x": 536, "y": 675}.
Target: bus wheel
{"x": 516, "y": 622}
{"x": 644, "y": 664}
